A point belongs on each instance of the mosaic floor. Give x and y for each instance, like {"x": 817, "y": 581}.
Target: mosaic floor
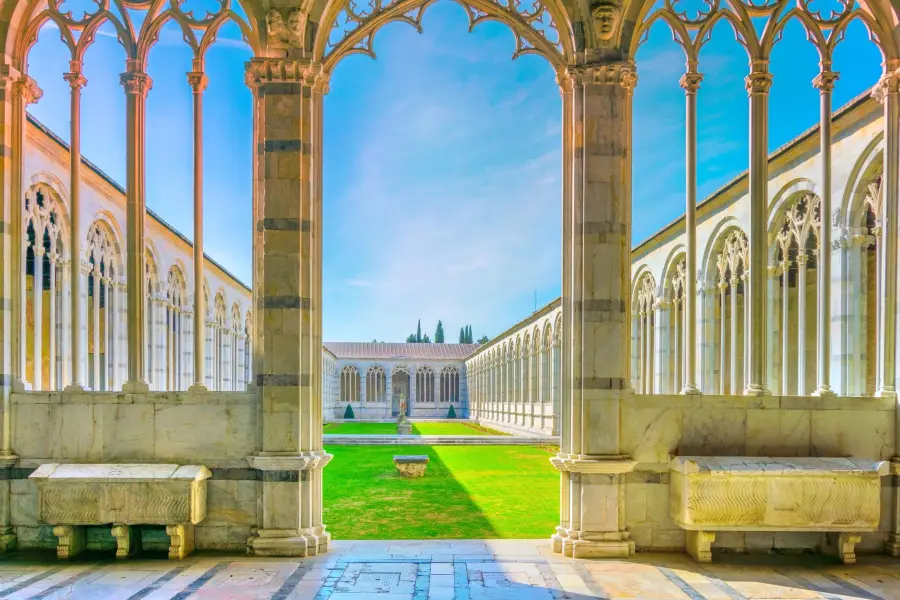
{"x": 460, "y": 570}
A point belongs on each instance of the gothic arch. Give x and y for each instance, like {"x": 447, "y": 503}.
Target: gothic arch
{"x": 51, "y": 211}
{"x": 716, "y": 239}
{"x": 544, "y": 31}
{"x": 176, "y": 288}
{"x": 786, "y": 196}
{"x": 866, "y": 169}
{"x": 676, "y": 255}
{"x": 102, "y": 243}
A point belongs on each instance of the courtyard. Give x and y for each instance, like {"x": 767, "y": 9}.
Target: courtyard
{"x": 468, "y": 492}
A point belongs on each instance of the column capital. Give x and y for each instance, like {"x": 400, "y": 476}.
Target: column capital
{"x": 25, "y": 86}
{"x": 802, "y": 259}
{"x": 260, "y": 71}
{"x": 74, "y": 77}
{"x": 612, "y": 73}
{"x": 197, "y": 80}
{"x": 887, "y": 85}
{"x": 690, "y": 82}
{"x": 824, "y": 81}
{"x": 136, "y": 82}
{"x": 759, "y": 80}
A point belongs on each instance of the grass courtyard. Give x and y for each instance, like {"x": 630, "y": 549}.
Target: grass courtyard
{"x": 468, "y": 492}
{"x": 350, "y": 428}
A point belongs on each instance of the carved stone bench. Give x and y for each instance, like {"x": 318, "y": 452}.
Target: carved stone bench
{"x": 73, "y": 496}
{"x": 411, "y": 465}
{"x": 709, "y": 494}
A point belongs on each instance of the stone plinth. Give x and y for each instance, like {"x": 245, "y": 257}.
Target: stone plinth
{"x": 72, "y": 496}
{"x": 404, "y": 428}
{"x": 411, "y": 465}
{"x": 708, "y": 494}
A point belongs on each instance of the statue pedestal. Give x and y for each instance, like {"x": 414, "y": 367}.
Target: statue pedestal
{"x": 404, "y": 428}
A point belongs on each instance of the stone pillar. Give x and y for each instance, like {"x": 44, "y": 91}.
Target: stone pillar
{"x": 824, "y": 82}
{"x": 735, "y": 365}
{"x": 198, "y": 81}
{"x": 136, "y": 83}
{"x": 38, "y": 303}
{"x": 291, "y": 455}
{"x": 76, "y": 82}
{"x": 597, "y": 292}
{"x": 801, "y": 323}
{"x": 758, "y": 83}
{"x": 691, "y": 84}
{"x": 723, "y": 339}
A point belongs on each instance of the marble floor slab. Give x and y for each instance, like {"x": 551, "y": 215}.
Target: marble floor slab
{"x": 446, "y": 570}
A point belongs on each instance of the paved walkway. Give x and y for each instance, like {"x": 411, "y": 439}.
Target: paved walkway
{"x": 461, "y": 570}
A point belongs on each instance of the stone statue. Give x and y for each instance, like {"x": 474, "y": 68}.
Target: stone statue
{"x": 606, "y": 20}
{"x": 404, "y": 427}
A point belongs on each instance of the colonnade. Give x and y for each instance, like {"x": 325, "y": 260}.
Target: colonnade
{"x": 374, "y": 384}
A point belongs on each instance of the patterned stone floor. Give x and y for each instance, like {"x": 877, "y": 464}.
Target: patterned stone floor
{"x": 439, "y": 570}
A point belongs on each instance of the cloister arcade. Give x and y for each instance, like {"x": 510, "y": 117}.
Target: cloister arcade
{"x": 615, "y": 442}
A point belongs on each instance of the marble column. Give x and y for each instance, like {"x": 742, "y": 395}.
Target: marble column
{"x": 52, "y": 379}
{"x": 598, "y": 290}
{"x": 198, "y": 82}
{"x": 723, "y": 338}
{"x": 735, "y": 364}
{"x": 691, "y": 84}
{"x": 76, "y": 82}
{"x": 758, "y": 83}
{"x": 801, "y": 322}
{"x": 37, "y": 303}
{"x": 785, "y": 324}
{"x": 291, "y": 456}
{"x": 824, "y": 82}
{"x": 137, "y": 84}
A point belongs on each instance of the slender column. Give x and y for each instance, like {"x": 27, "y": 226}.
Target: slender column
{"x": 37, "y": 294}
{"x": 723, "y": 342}
{"x": 801, "y": 323}
{"x": 198, "y": 81}
{"x": 114, "y": 322}
{"x": 824, "y": 82}
{"x": 136, "y": 84}
{"x": 733, "y": 282}
{"x": 678, "y": 367}
{"x": 107, "y": 364}
{"x": 95, "y": 336}
{"x": 598, "y": 288}
{"x": 76, "y": 82}
{"x": 758, "y": 83}
{"x": 288, "y": 299}
{"x": 691, "y": 84}
{"x": 785, "y": 325}
{"x": 52, "y": 381}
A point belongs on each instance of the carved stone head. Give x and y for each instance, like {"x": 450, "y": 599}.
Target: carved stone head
{"x": 274, "y": 24}
{"x": 296, "y": 26}
{"x": 606, "y": 20}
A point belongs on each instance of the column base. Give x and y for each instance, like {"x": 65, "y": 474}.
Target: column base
{"x": 578, "y": 548}
{"x": 8, "y": 540}
{"x": 690, "y": 390}
{"x": 73, "y": 388}
{"x": 886, "y": 392}
{"x": 756, "y": 389}
{"x": 557, "y": 540}
{"x": 198, "y": 387}
{"x": 19, "y": 385}
{"x": 135, "y": 387}
{"x": 892, "y": 545}
{"x": 824, "y": 390}
{"x": 288, "y": 542}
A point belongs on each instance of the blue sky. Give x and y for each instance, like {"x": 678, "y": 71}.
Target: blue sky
{"x": 442, "y": 158}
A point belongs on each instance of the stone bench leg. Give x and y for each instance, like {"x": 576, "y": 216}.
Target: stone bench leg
{"x": 698, "y": 544}
{"x": 128, "y": 540}
{"x": 847, "y": 547}
{"x": 70, "y": 540}
{"x": 181, "y": 540}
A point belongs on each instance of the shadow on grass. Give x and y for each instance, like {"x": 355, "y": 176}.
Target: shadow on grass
{"x": 366, "y": 499}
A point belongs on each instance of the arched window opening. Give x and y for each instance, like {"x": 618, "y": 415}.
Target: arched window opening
{"x": 643, "y": 331}
{"x": 731, "y": 313}
{"x": 175, "y": 340}
{"x": 349, "y": 385}
{"x": 449, "y": 385}
{"x": 376, "y": 385}
{"x": 425, "y": 385}
{"x": 219, "y": 335}
{"x": 675, "y": 326}
{"x": 45, "y": 290}
{"x": 102, "y": 309}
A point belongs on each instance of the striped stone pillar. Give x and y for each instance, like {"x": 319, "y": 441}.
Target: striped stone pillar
{"x": 290, "y": 456}
{"x": 596, "y": 288}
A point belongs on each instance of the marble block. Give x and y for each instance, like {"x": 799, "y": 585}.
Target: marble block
{"x": 411, "y": 465}
{"x": 708, "y": 494}
{"x": 72, "y": 496}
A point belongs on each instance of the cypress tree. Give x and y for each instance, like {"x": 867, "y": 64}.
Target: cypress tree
{"x": 439, "y": 333}
{"x": 419, "y": 332}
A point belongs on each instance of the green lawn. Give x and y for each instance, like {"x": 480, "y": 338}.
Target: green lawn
{"x": 417, "y": 429}
{"x": 468, "y": 492}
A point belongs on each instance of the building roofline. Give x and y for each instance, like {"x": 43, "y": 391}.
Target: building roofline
{"x": 98, "y": 171}
{"x": 544, "y": 310}
{"x": 860, "y": 100}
